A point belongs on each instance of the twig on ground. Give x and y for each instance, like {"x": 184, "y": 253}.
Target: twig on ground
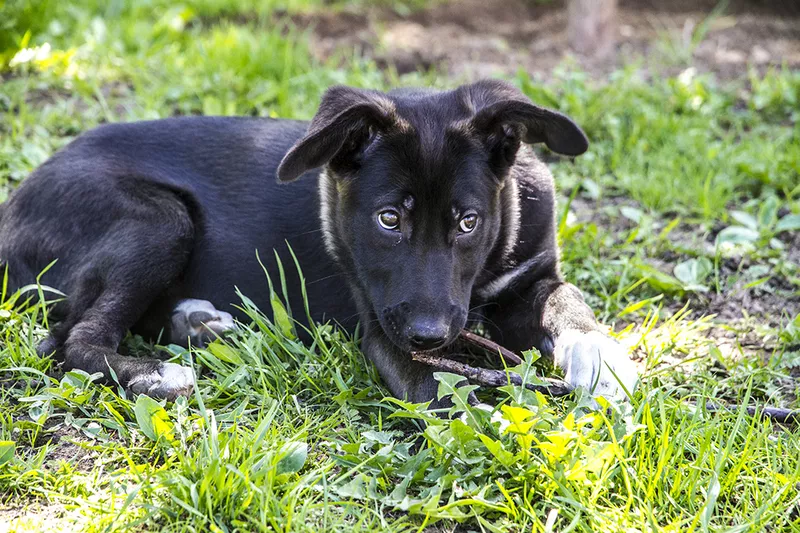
{"x": 491, "y": 378}
{"x": 777, "y": 414}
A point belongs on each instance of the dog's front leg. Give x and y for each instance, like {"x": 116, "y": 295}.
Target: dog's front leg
{"x": 406, "y": 379}
{"x": 553, "y": 317}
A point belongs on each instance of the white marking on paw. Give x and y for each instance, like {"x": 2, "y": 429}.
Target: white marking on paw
{"x": 199, "y": 322}
{"x": 169, "y": 381}
{"x": 596, "y": 362}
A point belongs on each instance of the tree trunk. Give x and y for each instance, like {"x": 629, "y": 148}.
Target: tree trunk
{"x": 592, "y": 26}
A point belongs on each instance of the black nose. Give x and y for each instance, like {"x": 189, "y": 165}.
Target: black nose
{"x": 427, "y": 334}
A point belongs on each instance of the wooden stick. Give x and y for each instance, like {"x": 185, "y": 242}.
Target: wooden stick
{"x": 491, "y": 378}
{"x": 509, "y": 356}
{"x": 777, "y": 414}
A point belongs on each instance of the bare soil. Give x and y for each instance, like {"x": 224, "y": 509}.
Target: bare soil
{"x": 476, "y": 38}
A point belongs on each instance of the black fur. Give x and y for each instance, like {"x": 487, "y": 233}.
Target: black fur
{"x": 143, "y": 215}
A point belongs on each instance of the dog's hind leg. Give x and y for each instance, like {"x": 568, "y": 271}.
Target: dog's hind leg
{"x": 92, "y": 343}
{"x": 129, "y": 268}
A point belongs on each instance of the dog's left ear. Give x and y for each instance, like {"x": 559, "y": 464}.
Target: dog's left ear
{"x": 505, "y": 117}
{"x": 346, "y": 121}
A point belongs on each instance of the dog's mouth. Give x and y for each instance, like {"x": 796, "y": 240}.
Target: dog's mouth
{"x": 434, "y": 351}
{"x": 407, "y": 347}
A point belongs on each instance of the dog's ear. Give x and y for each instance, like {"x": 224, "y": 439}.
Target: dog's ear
{"x": 346, "y": 121}
{"x": 505, "y": 117}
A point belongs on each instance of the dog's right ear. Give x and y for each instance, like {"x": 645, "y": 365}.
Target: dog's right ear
{"x": 345, "y": 123}
{"x": 504, "y": 118}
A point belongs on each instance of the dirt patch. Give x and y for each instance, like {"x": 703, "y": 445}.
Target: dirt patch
{"x": 772, "y": 301}
{"x": 66, "y": 445}
{"x": 738, "y": 342}
{"x": 792, "y": 241}
{"x": 469, "y": 39}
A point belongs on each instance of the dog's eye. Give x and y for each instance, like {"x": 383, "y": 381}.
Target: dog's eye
{"x": 468, "y": 223}
{"x": 389, "y": 220}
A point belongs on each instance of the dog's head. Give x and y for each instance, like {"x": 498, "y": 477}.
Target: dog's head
{"x": 412, "y": 194}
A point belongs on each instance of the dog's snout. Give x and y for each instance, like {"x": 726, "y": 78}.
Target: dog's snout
{"x": 415, "y": 329}
{"x": 428, "y": 334}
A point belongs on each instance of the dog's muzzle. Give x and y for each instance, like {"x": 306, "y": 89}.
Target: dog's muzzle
{"x": 419, "y": 332}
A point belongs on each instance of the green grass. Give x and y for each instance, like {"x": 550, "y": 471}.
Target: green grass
{"x": 688, "y": 197}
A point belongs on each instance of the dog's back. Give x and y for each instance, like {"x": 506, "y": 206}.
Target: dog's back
{"x": 221, "y": 170}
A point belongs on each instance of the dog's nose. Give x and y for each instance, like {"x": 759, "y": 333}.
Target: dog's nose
{"x": 427, "y": 334}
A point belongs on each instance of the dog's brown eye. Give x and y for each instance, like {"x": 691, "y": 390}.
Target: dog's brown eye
{"x": 389, "y": 220}
{"x": 468, "y": 223}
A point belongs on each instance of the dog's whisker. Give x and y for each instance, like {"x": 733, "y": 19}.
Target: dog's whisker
{"x": 336, "y": 275}
{"x": 309, "y": 232}
{"x": 481, "y": 306}
{"x": 480, "y": 319}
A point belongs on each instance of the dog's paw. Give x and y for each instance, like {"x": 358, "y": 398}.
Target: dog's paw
{"x": 168, "y": 381}
{"x": 199, "y": 322}
{"x": 47, "y": 347}
{"x": 596, "y": 362}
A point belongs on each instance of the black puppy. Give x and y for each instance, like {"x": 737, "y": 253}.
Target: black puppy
{"x": 414, "y": 208}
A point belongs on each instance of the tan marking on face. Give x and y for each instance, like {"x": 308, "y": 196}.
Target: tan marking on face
{"x": 329, "y": 194}
{"x": 512, "y": 215}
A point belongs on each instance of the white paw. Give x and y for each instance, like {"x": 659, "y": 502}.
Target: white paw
{"x": 596, "y": 362}
{"x": 169, "y": 381}
{"x": 496, "y": 418}
{"x": 199, "y": 322}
